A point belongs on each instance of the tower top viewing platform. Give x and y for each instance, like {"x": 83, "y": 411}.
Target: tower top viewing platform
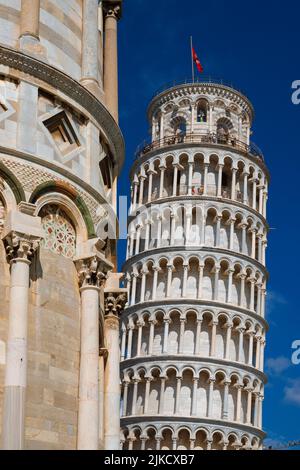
{"x": 206, "y": 112}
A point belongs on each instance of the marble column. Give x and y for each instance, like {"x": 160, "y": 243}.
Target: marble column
{"x": 225, "y": 400}
{"x": 181, "y": 335}
{"x": 238, "y": 403}
{"x": 175, "y": 178}
{"x": 233, "y": 184}
{"x": 161, "y": 183}
{"x": 112, "y": 13}
{"x": 245, "y": 188}
{"x": 91, "y": 275}
{"x": 194, "y": 397}
{"x": 115, "y": 302}
{"x": 150, "y": 184}
{"x": 90, "y": 47}
{"x": 198, "y": 337}
{"x": 177, "y": 397}
{"x": 167, "y": 322}
{"x": 129, "y": 345}
{"x": 147, "y": 393}
{"x": 210, "y": 398}
{"x": 228, "y": 339}
{"x": 190, "y": 178}
{"x": 29, "y": 39}
{"x": 220, "y": 171}
{"x": 20, "y": 248}
{"x": 241, "y": 343}
{"x": 249, "y": 406}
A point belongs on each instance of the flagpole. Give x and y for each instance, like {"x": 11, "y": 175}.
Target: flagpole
{"x": 193, "y": 69}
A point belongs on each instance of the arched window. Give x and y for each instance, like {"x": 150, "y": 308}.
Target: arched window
{"x": 224, "y": 126}
{"x": 59, "y": 232}
{"x": 202, "y": 111}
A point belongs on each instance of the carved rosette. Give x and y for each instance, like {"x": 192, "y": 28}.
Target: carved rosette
{"x": 20, "y": 246}
{"x": 92, "y": 271}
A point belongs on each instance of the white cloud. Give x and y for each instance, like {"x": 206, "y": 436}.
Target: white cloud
{"x": 292, "y": 392}
{"x": 277, "y": 365}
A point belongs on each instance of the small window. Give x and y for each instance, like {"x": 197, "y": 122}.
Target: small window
{"x": 62, "y": 132}
{"x": 202, "y": 111}
{"x": 106, "y": 171}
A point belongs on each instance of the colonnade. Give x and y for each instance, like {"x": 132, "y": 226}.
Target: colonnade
{"x": 194, "y": 279}
{"x": 193, "y": 335}
{"x": 183, "y": 438}
{"x": 193, "y": 395}
{"x": 166, "y": 178}
{"x": 192, "y": 226}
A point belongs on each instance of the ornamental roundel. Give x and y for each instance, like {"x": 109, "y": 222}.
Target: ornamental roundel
{"x": 59, "y": 232}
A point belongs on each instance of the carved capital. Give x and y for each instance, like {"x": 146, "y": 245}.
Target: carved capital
{"x": 114, "y": 303}
{"x": 20, "y": 245}
{"x": 92, "y": 271}
{"x": 112, "y": 8}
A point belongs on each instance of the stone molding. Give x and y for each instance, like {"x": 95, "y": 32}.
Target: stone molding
{"x": 71, "y": 88}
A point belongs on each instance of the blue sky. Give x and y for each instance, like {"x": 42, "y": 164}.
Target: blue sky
{"x": 254, "y": 46}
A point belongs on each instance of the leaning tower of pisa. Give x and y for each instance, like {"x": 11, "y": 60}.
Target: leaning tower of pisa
{"x": 193, "y": 332}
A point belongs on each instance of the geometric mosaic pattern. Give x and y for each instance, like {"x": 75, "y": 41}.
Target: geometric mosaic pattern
{"x": 59, "y": 233}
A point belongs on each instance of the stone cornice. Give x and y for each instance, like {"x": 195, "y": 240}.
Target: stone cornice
{"x": 189, "y": 303}
{"x": 70, "y": 87}
{"x": 192, "y": 420}
{"x": 203, "y": 88}
{"x": 185, "y": 359}
{"x": 179, "y": 250}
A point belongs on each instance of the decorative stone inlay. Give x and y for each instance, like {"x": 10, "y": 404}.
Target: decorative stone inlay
{"x": 60, "y": 235}
{"x": 30, "y": 177}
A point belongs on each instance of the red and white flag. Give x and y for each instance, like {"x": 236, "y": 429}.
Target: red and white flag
{"x": 197, "y": 61}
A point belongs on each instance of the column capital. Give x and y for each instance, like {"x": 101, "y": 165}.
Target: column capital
{"x": 92, "y": 270}
{"x": 20, "y": 246}
{"x": 114, "y": 302}
{"x": 112, "y": 8}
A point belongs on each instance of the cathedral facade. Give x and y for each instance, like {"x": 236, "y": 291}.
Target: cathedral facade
{"x": 61, "y": 151}
{"x": 193, "y": 333}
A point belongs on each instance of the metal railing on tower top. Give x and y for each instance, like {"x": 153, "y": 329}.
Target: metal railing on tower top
{"x": 147, "y": 146}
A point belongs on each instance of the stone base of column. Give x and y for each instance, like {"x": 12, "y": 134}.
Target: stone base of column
{"x": 32, "y": 45}
{"x": 93, "y": 87}
{"x": 13, "y": 418}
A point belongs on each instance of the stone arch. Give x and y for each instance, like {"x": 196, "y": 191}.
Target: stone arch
{"x": 59, "y": 187}
{"x": 13, "y": 182}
